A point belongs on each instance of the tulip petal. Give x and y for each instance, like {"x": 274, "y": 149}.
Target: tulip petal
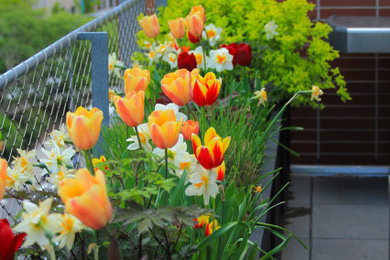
{"x": 204, "y": 157}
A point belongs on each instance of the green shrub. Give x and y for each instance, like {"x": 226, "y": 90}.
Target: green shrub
{"x": 295, "y": 59}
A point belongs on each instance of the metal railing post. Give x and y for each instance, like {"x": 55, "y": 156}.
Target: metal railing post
{"x": 99, "y": 76}
{"x": 99, "y": 72}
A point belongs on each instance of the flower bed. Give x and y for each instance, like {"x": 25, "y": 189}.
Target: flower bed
{"x": 178, "y": 173}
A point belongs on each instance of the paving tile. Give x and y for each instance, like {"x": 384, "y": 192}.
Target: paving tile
{"x": 299, "y": 190}
{"x": 358, "y": 191}
{"x": 356, "y": 249}
{"x": 295, "y": 251}
{"x": 297, "y": 220}
{"x": 350, "y": 221}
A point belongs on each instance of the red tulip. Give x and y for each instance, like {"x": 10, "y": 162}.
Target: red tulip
{"x": 186, "y": 61}
{"x": 9, "y": 243}
{"x": 242, "y": 53}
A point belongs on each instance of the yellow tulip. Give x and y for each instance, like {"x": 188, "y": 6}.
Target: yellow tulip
{"x": 163, "y": 128}
{"x": 84, "y": 127}
{"x": 136, "y": 79}
{"x": 177, "y": 86}
{"x": 85, "y": 197}
{"x": 131, "y": 107}
{"x": 150, "y": 26}
{"x": 177, "y": 27}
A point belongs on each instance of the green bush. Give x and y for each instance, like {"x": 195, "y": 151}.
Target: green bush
{"x": 295, "y": 59}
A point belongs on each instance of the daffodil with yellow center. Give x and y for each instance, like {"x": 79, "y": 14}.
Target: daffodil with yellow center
{"x": 203, "y": 183}
{"x": 68, "y": 227}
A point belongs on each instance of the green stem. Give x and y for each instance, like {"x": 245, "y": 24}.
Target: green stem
{"x": 166, "y": 163}
{"x": 191, "y": 112}
{"x": 88, "y": 160}
{"x": 138, "y": 138}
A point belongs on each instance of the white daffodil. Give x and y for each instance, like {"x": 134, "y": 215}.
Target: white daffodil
{"x": 316, "y": 92}
{"x": 18, "y": 177}
{"x": 178, "y": 156}
{"x": 148, "y": 45}
{"x": 69, "y": 226}
{"x": 220, "y": 60}
{"x": 212, "y": 33}
{"x": 56, "y": 158}
{"x": 171, "y": 59}
{"x": 198, "y": 53}
{"x": 144, "y": 134}
{"x": 36, "y": 220}
{"x": 153, "y": 55}
{"x": 203, "y": 182}
{"x": 114, "y": 64}
{"x": 56, "y": 177}
{"x": 270, "y": 29}
{"x": 24, "y": 162}
{"x": 58, "y": 137}
{"x": 174, "y": 107}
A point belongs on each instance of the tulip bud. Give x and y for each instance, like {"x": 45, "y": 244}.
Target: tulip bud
{"x": 164, "y": 129}
{"x": 131, "y": 107}
{"x": 177, "y": 27}
{"x": 85, "y": 197}
{"x": 84, "y": 127}
{"x": 150, "y": 26}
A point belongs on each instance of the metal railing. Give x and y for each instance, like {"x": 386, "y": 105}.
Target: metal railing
{"x": 36, "y": 94}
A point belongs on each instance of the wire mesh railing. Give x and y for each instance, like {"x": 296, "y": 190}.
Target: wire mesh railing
{"x": 36, "y": 94}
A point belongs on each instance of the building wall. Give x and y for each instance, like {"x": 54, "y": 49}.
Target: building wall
{"x": 356, "y": 132}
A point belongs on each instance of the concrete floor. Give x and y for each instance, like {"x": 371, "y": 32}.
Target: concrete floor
{"x": 338, "y": 218}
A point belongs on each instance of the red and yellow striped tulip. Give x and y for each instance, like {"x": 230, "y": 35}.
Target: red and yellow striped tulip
{"x": 131, "y": 107}
{"x": 3, "y": 176}
{"x": 136, "y": 79}
{"x": 177, "y": 86}
{"x": 211, "y": 227}
{"x": 206, "y": 89}
{"x": 188, "y": 128}
{"x": 177, "y": 27}
{"x": 221, "y": 171}
{"x": 84, "y": 127}
{"x": 150, "y": 26}
{"x": 211, "y": 154}
{"x": 164, "y": 130}
{"x": 85, "y": 197}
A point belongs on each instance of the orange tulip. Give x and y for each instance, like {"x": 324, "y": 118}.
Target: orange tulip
{"x": 206, "y": 89}
{"x": 188, "y": 128}
{"x": 211, "y": 154}
{"x": 85, "y": 197}
{"x": 177, "y": 28}
{"x": 84, "y": 127}
{"x": 131, "y": 107}
{"x": 136, "y": 79}
{"x": 3, "y": 176}
{"x": 177, "y": 86}
{"x": 221, "y": 171}
{"x": 164, "y": 129}
{"x": 150, "y": 26}
{"x": 199, "y": 10}
{"x": 194, "y": 25}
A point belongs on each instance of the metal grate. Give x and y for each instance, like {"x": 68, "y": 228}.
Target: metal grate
{"x": 36, "y": 94}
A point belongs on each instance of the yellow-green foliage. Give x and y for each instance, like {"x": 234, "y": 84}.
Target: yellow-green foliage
{"x": 294, "y": 60}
